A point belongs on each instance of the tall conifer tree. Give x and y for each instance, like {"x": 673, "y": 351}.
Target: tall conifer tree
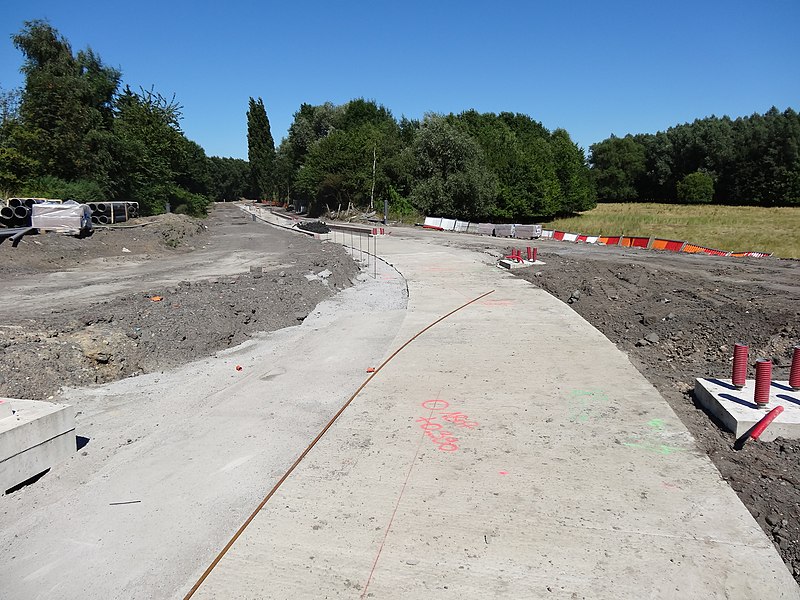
{"x": 260, "y": 150}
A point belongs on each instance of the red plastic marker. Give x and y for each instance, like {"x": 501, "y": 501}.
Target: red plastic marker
{"x": 764, "y": 423}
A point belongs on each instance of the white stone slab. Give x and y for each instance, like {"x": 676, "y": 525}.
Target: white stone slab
{"x": 738, "y": 411}
{"x": 33, "y": 439}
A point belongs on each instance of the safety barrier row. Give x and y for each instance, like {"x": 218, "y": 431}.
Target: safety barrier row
{"x": 645, "y": 242}
{"x": 535, "y": 231}
{"x": 523, "y": 232}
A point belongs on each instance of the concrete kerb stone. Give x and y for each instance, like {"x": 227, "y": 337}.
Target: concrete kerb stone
{"x": 35, "y": 437}
{"x": 569, "y": 470}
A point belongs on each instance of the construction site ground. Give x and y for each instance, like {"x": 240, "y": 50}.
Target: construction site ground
{"x": 178, "y": 456}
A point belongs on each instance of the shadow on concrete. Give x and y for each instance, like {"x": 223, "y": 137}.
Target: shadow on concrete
{"x": 739, "y": 401}
{"x": 789, "y": 399}
{"x": 30, "y": 481}
{"x": 721, "y": 383}
{"x": 80, "y": 442}
{"x": 780, "y": 386}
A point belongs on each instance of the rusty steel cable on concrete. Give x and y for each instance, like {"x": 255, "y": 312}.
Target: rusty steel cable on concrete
{"x": 305, "y": 452}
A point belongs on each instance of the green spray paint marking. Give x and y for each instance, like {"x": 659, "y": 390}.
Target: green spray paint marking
{"x": 587, "y": 402}
{"x": 656, "y": 429}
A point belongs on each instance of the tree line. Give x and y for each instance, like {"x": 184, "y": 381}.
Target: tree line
{"x": 748, "y": 160}
{"x": 71, "y": 132}
{"x": 470, "y": 166}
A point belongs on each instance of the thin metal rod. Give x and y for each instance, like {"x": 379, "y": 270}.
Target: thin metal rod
{"x": 308, "y": 449}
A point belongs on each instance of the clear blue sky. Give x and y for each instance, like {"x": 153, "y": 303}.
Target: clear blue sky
{"x": 592, "y": 67}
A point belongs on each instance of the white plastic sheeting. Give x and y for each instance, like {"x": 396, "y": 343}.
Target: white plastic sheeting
{"x": 66, "y": 216}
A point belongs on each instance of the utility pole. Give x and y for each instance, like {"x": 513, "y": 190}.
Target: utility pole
{"x": 372, "y": 193}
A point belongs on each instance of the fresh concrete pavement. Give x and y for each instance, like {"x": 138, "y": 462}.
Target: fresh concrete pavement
{"x": 569, "y": 476}
{"x": 175, "y": 459}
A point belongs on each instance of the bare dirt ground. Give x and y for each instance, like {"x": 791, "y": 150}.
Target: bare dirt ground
{"x": 141, "y": 299}
{"x": 677, "y": 318}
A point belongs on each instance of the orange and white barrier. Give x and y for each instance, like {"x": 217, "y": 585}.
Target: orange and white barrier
{"x": 534, "y": 231}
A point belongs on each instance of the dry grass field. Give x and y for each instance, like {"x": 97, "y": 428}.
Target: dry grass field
{"x": 730, "y": 228}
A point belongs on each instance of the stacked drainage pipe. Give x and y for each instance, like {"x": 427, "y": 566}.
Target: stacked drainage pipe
{"x": 6, "y": 216}
{"x": 16, "y": 214}
{"x": 104, "y": 213}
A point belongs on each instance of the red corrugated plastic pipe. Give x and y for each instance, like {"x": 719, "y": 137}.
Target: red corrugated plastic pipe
{"x": 739, "y": 375}
{"x": 794, "y": 373}
{"x": 763, "y": 382}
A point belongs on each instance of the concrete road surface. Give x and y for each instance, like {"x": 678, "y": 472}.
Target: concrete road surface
{"x": 511, "y": 451}
{"x": 175, "y": 459}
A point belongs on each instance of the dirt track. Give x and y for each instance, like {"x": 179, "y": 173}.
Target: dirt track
{"x": 88, "y": 309}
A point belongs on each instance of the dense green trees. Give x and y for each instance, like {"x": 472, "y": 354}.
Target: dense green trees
{"x": 71, "y": 133}
{"x": 470, "y": 166}
{"x": 450, "y": 174}
{"x": 229, "y": 178}
{"x": 696, "y": 188}
{"x": 749, "y": 160}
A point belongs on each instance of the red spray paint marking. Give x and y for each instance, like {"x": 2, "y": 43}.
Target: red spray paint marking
{"x": 763, "y": 381}
{"x": 435, "y": 404}
{"x": 764, "y": 423}
{"x": 794, "y": 373}
{"x": 739, "y": 374}
{"x": 498, "y": 303}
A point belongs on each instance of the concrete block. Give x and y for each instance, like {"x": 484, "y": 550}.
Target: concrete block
{"x": 37, "y": 436}
{"x": 738, "y": 412}
{"x": 504, "y": 230}
{"x": 5, "y": 409}
{"x": 510, "y": 264}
